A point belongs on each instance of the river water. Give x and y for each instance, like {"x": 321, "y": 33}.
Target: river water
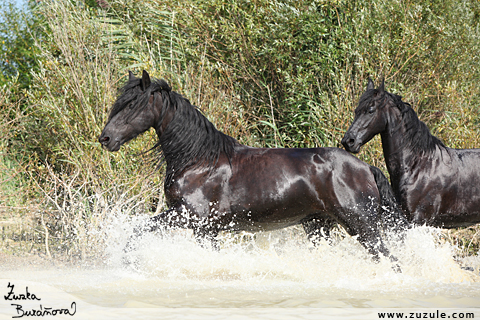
{"x": 273, "y": 275}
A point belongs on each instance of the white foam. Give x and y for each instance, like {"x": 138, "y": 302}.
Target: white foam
{"x": 272, "y": 269}
{"x": 286, "y": 255}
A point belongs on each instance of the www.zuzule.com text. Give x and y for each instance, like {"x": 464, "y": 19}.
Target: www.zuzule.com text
{"x": 426, "y": 315}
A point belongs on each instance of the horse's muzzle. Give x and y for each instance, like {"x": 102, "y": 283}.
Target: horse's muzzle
{"x": 350, "y": 143}
{"x": 108, "y": 143}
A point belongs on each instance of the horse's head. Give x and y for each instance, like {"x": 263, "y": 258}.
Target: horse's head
{"x": 135, "y": 111}
{"x": 369, "y": 118}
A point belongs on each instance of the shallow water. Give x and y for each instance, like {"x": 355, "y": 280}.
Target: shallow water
{"x": 275, "y": 274}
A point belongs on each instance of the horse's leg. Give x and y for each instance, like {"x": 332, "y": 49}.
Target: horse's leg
{"x": 373, "y": 242}
{"x": 150, "y": 225}
{"x": 318, "y": 228}
{"x": 365, "y": 223}
{"x": 204, "y": 234}
{"x": 393, "y": 218}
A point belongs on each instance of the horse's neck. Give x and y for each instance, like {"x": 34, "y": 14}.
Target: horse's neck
{"x": 394, "y": 154}
{"x": 397, "y": 149}
{"x": 191, "y": 142}
{"x": 407, "y": 148}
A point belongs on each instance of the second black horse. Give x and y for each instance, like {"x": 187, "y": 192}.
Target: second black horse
{"x": 213, "y": 183}
{"x": 435, "y": 185}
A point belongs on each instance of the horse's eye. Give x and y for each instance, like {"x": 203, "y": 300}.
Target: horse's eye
{"x": 371, "y": 110}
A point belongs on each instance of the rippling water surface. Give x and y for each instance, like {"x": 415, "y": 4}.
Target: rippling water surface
{"x": 276, "y": 274}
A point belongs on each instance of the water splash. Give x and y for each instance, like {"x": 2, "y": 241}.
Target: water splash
{"x": 287, "y": 256}
{"x": 280, "y": 269}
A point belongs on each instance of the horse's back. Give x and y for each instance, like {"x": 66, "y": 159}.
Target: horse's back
{"x": 300, "y": 160}
{"x": 332, "y": 174}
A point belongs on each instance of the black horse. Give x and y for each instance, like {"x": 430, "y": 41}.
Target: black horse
{"x": 435, "y": 185}
{"x": 213, "y": 183}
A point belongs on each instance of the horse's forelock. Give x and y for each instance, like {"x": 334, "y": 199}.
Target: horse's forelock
{"x": 366, "y": 99}
{"x": 131, "y": 91}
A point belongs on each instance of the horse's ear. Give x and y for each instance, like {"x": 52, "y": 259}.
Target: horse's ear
{"x": 381, "y": 89}
{"x": 370, "y": 84}
{"x": 130, "y": 76}
{"x": 145, "y": 80}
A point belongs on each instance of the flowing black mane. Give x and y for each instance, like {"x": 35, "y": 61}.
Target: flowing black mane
{"x": 189, "y": 139}
{"x": 417, "y": 136}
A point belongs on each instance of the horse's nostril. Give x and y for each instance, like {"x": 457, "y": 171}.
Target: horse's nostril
{"x": 351, "y": 142}
{"x": 104, "y": 140}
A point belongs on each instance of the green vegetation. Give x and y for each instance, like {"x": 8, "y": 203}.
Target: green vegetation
{"x": 267, "y": 72}
{"x": 18, "y": 53}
